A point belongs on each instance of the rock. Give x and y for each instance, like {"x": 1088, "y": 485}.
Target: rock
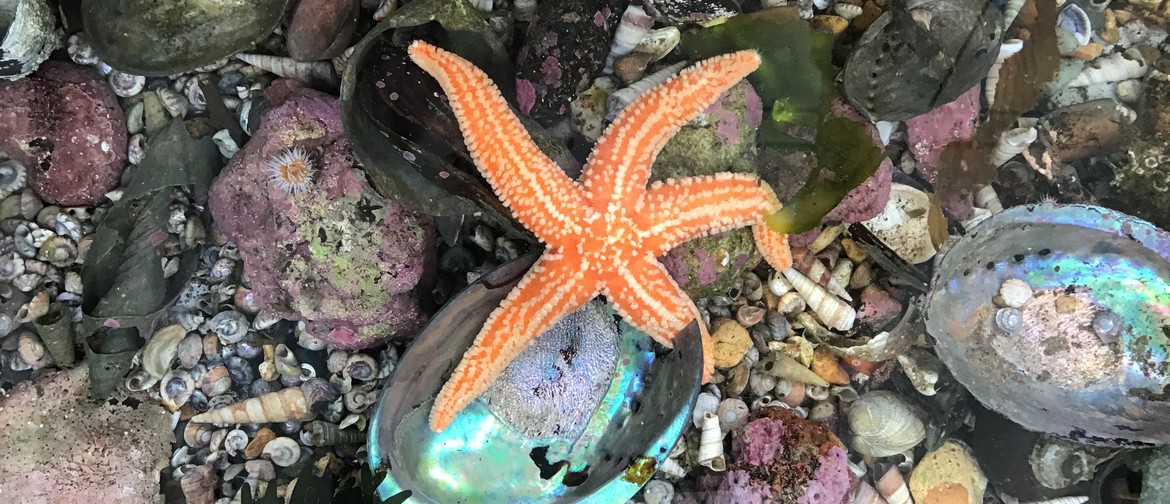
{"x": 721, "y": 139}
{"x": 878, "y": 307}
{"x": 867, "y": 200}
{"x": 321, "y": 29}
{"x": 60, "y": 448}
{"x": 780, "y": 457}
{"x": 731, "y": 343}
{"x": 64, "y": 124}
{"x": 335, "y": 255}
{"x": 948, "y": 475}
{"x": 563, "y": 54}
{"x": 929, "y": 133}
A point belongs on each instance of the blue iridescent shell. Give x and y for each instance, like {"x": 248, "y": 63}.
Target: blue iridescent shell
{"x": 1090, "y": 360}
{"x": 585, "y": 414}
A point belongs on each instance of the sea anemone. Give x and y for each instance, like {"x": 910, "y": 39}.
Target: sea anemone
{"x": 291, "y": 170}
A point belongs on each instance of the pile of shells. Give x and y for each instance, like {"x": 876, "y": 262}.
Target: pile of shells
{"x": 42, "y": 249}
{"x": 256, "y": 397}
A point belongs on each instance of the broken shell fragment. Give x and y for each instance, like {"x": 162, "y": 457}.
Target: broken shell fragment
{"x": 162, "y": 349}
{"x": 903, "y": 226}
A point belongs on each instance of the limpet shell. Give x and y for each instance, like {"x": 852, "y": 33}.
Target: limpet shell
{"x": 883, "y": 425}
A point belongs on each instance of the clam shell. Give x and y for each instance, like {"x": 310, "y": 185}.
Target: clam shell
{"x": 883, "y": 425}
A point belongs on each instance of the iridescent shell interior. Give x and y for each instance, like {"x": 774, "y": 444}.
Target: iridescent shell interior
{"x": 585, "y": 414}
{"x": 1057, "y": 372}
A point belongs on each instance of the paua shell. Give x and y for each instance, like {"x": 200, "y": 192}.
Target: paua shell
{"x": 1057, "y": 374}
{"x": 162, "y": 37}
{"x": 904, "y": 65}
{"x": 589, "y": 427}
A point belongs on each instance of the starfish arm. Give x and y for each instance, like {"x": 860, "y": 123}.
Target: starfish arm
{"x": 619, "y": 166}
{"x": 551, "y": 289}
{"x": 677, "y": 211}
{"x": 540, "y": 195}
{"x": 646, "y": 296}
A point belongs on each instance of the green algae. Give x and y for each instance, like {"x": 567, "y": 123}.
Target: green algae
{"x": 795, "y": 83}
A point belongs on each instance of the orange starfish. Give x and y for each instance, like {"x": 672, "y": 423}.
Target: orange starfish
{"x": 605, "y": 232}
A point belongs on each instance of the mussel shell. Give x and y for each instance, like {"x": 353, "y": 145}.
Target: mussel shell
{"x": 1094, "y": 257}
{"x": 162, "y": 37}
{"x": 622, "y": 450}
{"x": 397, "y": 116}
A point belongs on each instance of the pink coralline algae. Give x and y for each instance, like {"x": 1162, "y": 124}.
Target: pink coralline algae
{"x": 830, "y": 482}
{"x": 737, "y": 488}
{"x": 760, "y": 442}
{"x": 878, "y": 307}
{"x": 336, "y": 255}
{"x": 929, "y": 133}
{"x": 867, "y": 200}
{"x": 782, "y": 458}
{"x": 63, "y": 123}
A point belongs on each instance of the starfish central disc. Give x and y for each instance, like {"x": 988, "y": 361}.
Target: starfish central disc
{"x": 604, "y": 233}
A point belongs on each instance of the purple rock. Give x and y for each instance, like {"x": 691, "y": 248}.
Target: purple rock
{"x": 63, "y": 123}
{"x": 321, "y": 29}
{"x": 336, "y": 255}
{"x": 867, "y": 200}
{"x": 929, "y": 133}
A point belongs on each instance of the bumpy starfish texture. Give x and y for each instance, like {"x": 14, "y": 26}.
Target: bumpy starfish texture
{"x": 604, "y": 233}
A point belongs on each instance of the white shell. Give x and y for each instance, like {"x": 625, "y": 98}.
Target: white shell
{"x": 892, "y": 486}
{"x": 386, "y": 8}
{"x": 847, "y": 10}
{"x": 1115, "y": 67}
{"x": 711, "y": 444}
{"x": 283, "y": 451}
{"x": 161, "y": 350}
{"x": 1015, "y": 292}
{"x": 883, "y": 425}
{"x": 671, "y": 469}
{"x": 1011, "y": 143}
{"x": 1006, "y": 50}
{"x": 902, "y": 225}
{"x": 622, "y": 97}
{"x": 830, "y": 309}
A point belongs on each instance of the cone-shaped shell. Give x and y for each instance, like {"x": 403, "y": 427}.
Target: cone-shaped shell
{"x": 829, "y": 308}
{"x": 711, "y": 444}
{"x": 283, "y": 406}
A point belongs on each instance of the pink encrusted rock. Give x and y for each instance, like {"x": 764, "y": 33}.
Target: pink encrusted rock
{"x": 929, "y": 133}
{"x": 782, "y": 458}
{"x": 58, "y": 447}
{"x": 336, "y": 255}
{"x": 867, "y": 200}
{"x": 723, "y": 140}
{"x": 878, "y": 307}
{"x": 63, "y": 123}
